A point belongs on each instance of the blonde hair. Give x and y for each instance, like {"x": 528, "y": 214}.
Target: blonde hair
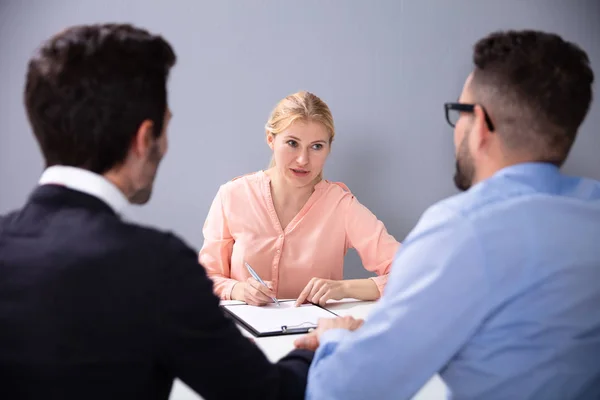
{"x": 301, "y": 106}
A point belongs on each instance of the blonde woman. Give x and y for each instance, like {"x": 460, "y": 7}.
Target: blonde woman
{"x": 289, "y": 224}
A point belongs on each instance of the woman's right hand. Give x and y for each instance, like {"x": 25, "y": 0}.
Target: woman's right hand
{"x": 253, "y": 292}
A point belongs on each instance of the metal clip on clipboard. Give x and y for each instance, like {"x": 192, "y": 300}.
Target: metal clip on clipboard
{"x": 298, "y": 328}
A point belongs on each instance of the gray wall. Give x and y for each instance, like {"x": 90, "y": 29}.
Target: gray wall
{"x": 384, "y": 67}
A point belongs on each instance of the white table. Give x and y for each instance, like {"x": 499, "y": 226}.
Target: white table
{"x": 276, "y": 347}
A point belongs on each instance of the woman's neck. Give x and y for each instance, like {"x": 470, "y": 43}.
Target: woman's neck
{"x": 285, "y": 194}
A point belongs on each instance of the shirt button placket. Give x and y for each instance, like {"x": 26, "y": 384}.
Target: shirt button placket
{"x": 276, "y": 262}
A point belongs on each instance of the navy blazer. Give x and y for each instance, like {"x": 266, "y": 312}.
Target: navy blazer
{"x": 93, "y": 307}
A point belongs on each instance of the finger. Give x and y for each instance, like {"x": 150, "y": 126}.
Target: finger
{"x": 260, "y": 296}
{"x": 324, "y": 299}
{"x": 256, "y": 297}
{"x": 312, "y": 342}
{"x": 321, "y": 296}
{"x": 351, "y": 323}
{"x": 304, "y": 294}
{"x": 317, "y": 285}
{"x": 301, "y": 342}
{"x": 324, "y": 324}
{"x": 337, "y": 323}
{"x": 257, "y": 285}
{"x": 317, "y": 294}
{"x": 253, "y": 301}
{"x": 256, "y": 302}
{"x": 261, "y": 288}
{"x": 308, "y": 342}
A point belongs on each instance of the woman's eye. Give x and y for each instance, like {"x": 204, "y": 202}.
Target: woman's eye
{"x": 317, "y": 146}
{"x": 292, "y": 143}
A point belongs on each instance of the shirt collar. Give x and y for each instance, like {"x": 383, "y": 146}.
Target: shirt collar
{"x": 534, "y": 169}
{"x": 87, "y": 182}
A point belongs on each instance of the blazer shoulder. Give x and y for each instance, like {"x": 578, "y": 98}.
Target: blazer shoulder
{"x": 7, "y": 219}
{"x": 157, "y": 240}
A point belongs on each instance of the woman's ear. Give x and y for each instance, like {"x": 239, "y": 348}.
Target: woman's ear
{"x": 271, "y": 140}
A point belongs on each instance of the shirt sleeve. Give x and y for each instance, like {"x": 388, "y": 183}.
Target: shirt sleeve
{"x": 215, "y": 254}
{"x": 369, "y": 237}
{"x": 436, "y": 298}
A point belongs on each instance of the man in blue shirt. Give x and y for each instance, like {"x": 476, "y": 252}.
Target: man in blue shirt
{"x": 496, "y": 289}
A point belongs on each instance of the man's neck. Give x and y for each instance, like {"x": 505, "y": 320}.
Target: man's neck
{"x": 85, "y": 181}
{"x": 117, "y": 178}
{"x": 489, "y": 169}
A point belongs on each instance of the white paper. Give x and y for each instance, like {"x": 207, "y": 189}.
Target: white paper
{"x": 270, "y": 318}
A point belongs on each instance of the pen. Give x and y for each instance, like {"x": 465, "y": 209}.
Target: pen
{"x": 255, "y": 276}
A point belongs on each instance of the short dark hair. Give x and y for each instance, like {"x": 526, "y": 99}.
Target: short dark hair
{"x": 90, "y": 87}
{"x": 537, "y": 88}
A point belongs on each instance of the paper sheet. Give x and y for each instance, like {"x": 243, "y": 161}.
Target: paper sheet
{"x": 270, "y": 318}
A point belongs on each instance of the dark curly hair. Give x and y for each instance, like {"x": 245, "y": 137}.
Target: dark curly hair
{"x": 90, "y": 87}
{"x": 537, "y": 88}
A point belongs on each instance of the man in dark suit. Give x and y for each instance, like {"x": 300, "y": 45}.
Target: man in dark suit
{"x": 93, "y": 307}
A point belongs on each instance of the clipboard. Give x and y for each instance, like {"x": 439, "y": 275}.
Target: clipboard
{"x": 271, "y": 320}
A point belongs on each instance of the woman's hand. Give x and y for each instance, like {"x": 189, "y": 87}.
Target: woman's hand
{"x": 318, "y": 291}
{"x": 253, "y": 292}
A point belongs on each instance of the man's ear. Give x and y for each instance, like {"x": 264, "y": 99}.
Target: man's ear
{"x": 143, "y": 138}
{"x": 481, "y": 135}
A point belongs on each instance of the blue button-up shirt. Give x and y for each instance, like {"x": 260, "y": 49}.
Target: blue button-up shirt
{"x": 496, "y": 289}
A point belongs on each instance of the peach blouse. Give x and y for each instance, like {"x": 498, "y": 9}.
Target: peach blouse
{"x": 242, "y": 225}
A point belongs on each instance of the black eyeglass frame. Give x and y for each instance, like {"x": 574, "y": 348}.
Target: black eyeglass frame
{"x": 464, "y": 107}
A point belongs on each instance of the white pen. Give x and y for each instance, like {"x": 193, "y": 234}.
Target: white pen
{"x": 255, "y": 276}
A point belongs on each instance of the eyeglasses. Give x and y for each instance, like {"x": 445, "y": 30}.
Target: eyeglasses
{"x": 453, "y": 111}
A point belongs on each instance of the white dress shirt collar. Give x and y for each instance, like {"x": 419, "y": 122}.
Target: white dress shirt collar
{"x": 87, "y": 182}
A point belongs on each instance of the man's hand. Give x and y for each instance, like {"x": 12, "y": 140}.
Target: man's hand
{"x": 311, "y": 341}
{"x": 318, "y": 291}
